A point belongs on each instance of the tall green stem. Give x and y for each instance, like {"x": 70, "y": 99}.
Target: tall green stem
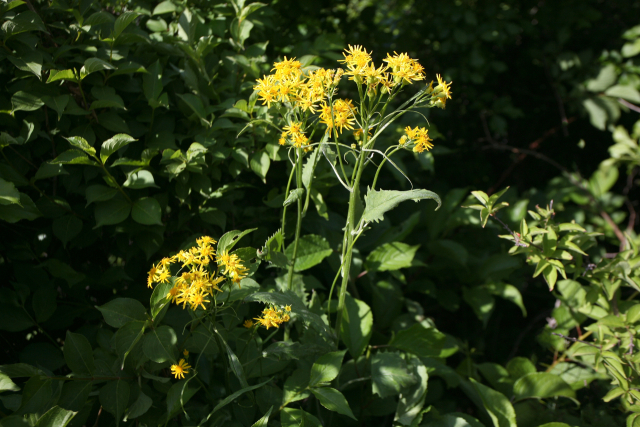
{"x": 299, "y": 220}
{"x": 348, "y": 237}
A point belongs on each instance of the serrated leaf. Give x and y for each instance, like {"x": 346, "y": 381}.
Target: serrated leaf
{"x": 377, "y": 203}
{"x": 294, "y": 195}
{"x": 312, "y": 249}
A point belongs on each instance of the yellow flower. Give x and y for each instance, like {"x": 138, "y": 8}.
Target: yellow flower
{"x": 186, "y": 353}
{"x": 287, "y": 308}
{"x": 152, "y": 276}
{"x": 164, "y": 276}
{"x": 180, "y": 369}
{"x": 248, "y": 323}
{"x": 272, "y": 317}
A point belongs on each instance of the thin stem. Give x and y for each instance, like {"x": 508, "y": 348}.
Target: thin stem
{"x": 375, "y": 178}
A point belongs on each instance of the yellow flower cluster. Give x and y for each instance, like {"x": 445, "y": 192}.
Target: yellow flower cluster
{"x": 294, "y": 134}
{"x": 197, "y": 281}
{"x": 400, "y": 69}
{"x": 442, "y": 92}
{"x": 417, "y": 136}
{"x": 232, "y": 266}
{"x": 343, "y": 114}
{"x": 272, "y": 317}
{"x": 289, "y": 84}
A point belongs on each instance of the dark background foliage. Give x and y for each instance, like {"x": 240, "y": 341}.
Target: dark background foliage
{"x": 519, "y": 117}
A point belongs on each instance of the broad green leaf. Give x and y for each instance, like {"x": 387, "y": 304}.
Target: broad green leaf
{"x": 73, "y": 157}
{"x": 113, "y": 144}
{"x": 496, "y": 404}
{"x": 378, "y": 202}
{"x": 195, "y": 103}
{"x": 20, "y": 370}
{"x": 139, "y": 407}
{"x": 55, "y": 75}
{"x": 48, "y": 170}
{"x": 234, "y": 362}
{"x": 333, "y": 400}
{"x": 30, "y": 62}
{"x": 213, "y": 216}
{"x": 23, "y": 22}
{"x": 147, "y": 211}
{"x": 128, "y": 67}
{"x": 326, "y": 368}
{"x": 23, "y": 101}
{"x": 82, "y": 144}
{"x": 91, "y": 65}
{"x": 260, "y": 163}
{"x": 66, "y": 228}
{"x": 56, "y": 417}
{"x": 166, "y": 6}
{"x": 9, "y": 194}
{"x": 152, "y": 83}
{"x": 111, "y": 212}
{"x": 44, "y": 303}
{"x": 508, "y": 292}
{"x": 391, "y": 256}
{"x": 357, "y": 326}
{"x": 159, "y": 298}
{"x": 114, "y": 397}
{"x": 121, "y": 311}
{"x": 36, "y": 395}
{"x": 230, "y": 399}
{"x": 99, "y": 18}
{"x": 26, "y": 209}
{"x": 262, "y": 422}
{"x": 312, "y": 249}
{"x": 127, "y": 337}
{"x": 140, "y": 179}
{"x": 78, "y": 354}
{"x": 230, "y": 238}
{"x": 519, "y": 367}
{"x": 294, "y": 195}
{"x": 6, "y": 384}
{"x": 481, "y": 301}
{"x": 389, "y": 374}
{"x": 123, "y": 22}
{"x": 99, "y": 193}
{"x": 296, "y": 386}
{"x": 605, "y": 78}
{"x": 542, "y": 385}
{"x": 455, "y": 419}
{"x": 291, "y": 417}
{"x": 411, "y": 399}
{"x": 159, "y": 344}
{"x": 74, "y": 394}
{"x": 419, "y": 340}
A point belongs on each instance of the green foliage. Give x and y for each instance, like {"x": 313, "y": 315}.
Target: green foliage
{"x": 130, "y": 129}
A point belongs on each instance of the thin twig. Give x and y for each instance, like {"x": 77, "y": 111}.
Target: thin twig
{"x": 576, "y": 340}
{"x": 629, "y": 105}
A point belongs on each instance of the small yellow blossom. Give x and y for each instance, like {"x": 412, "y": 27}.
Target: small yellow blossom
{"x": 248, "y": 323}
{"x": 186, "y": 353}
{"x": 273, "y": 317}
{"x": 180, "y": 369}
